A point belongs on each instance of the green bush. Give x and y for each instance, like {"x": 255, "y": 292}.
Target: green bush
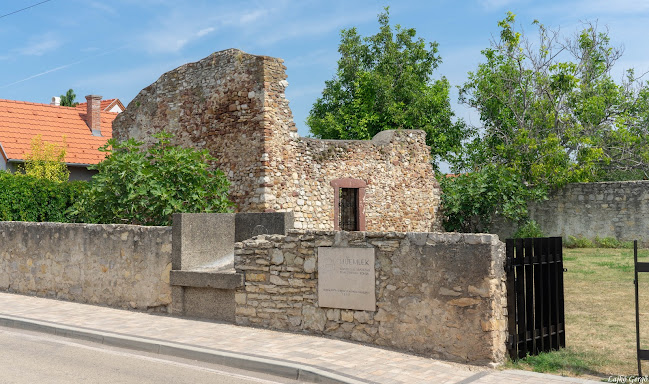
{"x": 611, "y": 242}
{"x": 145, "y": 187}
{"x": 578, "y": 242}
{"x": 471, "y": 200}
{"x": 530, "y": 229}
{"x": 28, "y": 198}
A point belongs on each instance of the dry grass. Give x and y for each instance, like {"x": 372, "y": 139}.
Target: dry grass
{"x": 600, "y": 307}
{"x": 600, "y": 314}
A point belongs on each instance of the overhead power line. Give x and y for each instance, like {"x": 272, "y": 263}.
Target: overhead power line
{"x": 20, "y": 10}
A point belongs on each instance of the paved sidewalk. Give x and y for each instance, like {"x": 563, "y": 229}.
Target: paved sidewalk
{"x": 305, "y": 357}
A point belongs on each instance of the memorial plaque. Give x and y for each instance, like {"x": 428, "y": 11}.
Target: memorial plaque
{"x": 346, "y": 278}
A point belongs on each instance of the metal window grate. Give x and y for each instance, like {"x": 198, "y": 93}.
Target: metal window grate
{"x": 349, "y": 209}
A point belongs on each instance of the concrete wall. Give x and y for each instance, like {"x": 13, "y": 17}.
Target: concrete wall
{"x": 233, "y": 104}
{"x": 203, "y": 278}
{"x": 114, "y": 265}
{"x": 610, "y": 209}
{"x": 441, "y": 295}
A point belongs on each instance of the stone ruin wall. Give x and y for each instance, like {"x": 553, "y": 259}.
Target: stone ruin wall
{"x": 440, "y": 295}
{"x": 401, "y": 195}
{"x": 233, "y": 104}
{"x": 216, "y": 104}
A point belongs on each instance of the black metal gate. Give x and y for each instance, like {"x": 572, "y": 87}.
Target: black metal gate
{"x": 535, "y": 304}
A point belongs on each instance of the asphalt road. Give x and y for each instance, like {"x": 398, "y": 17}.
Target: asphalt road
{"x": 30, "y": 357}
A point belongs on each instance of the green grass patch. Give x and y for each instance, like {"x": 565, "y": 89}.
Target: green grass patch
{"x": 600, "y": 242}
{"x": 624, "y": 267}
{"x": 565, "y": 361}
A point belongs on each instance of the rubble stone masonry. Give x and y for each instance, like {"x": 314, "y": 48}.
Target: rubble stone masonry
{"x": 123, "y": 266}
{"x": 233, "y": 104}
{"x": 439, "y": 294}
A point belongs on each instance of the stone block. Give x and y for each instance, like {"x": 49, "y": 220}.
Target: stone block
{"x": 202, "y": 239}
{"x": 206, "y": 279}
{"x": 248, "y": 225}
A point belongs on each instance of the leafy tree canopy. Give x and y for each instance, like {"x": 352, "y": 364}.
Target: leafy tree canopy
{"x": 384, "y": 82}
{"x": 67, "y": 100}
{"x": 551, "y": 111}
{"x": 551, "y": 114}
{"x": 135, "y": 186}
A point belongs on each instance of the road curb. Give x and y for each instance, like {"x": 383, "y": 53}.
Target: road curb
{"x": 281, "y": 368}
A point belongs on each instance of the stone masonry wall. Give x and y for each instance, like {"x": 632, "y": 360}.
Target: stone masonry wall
{"x": 216, "y": 104}
{"x": 402, "y": 193}
{"x": 233, "y": 104}
{"x": 442, "y": 295}
{"x": 116, "y": 265}
{"x": 611, "y": 209}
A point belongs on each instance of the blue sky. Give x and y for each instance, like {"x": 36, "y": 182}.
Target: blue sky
{"x": 115, "y": 48}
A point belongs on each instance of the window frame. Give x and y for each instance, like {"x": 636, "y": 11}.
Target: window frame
{"x": 359, "y": 184}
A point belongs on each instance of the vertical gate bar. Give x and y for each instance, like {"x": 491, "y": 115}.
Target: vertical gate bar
{"x": 520, "y": 299}
{"x": 511, "y": 299}
{"x": 637, "y": 306}
{"x": 550, "y": 290}
{"x": 561, "y": 327}
{"x": 538, "y": 297}
{"x": 542, "y": 297}
{"x": 529, "y": 293}
{"x": 558, "y": 319}
{"x": 554, "y": 289}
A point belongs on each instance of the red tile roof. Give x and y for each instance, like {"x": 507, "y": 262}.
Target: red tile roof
{"x": 106, "y": 105}
{"x": 21, "y": 121}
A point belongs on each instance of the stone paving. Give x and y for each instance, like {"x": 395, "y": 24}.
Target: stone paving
{"x": 360, "y": 362}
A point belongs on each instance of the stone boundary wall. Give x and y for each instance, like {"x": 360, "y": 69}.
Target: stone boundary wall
{"x": 116, "y": 265}
{"x": 438, "y": 294}
{"x": 609, "y": 209}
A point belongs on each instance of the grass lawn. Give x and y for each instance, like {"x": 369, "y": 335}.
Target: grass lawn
{"x": 600, "y": 315}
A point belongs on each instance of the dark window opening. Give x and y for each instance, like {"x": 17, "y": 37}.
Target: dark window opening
{"x": 349, "y": 209}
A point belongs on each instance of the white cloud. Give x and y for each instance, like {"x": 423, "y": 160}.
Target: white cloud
{"x": 205, "y": 31}
{"x": 496, "y": 4}
{"x": 318, "y": 57}
{"x": 251, "y": 17}
{"x": 102, "y": 7}
{"x": 614, "y": 7}
{"x": 39, "y": 45}
{"x": 323, "y": 24}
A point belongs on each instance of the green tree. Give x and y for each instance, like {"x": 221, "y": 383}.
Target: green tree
{"x": 551, "y": 111}
{"x": 551, "y": 114}
{"x": 470, "y": 201}
{"x": 384, "y": 82}
{"x": 46, "y": 161}
{"x": 67, "y": 100}
{"x": 134, "y": 186}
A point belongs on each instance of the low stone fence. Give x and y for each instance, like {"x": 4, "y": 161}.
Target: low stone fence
{"x": 442, "y": 295}
{"x": 114, "y": 265}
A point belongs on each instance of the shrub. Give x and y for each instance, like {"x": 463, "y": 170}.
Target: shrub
{"x": 29, "y": 198}
{"x": 470, "y": 201}
{"x": 135, "y": 186}
{"x": 46, "y": 160}
{"x": 530, "y": 229}
{"x": 611, "y": 242}
{"x": 578, "y": 242}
